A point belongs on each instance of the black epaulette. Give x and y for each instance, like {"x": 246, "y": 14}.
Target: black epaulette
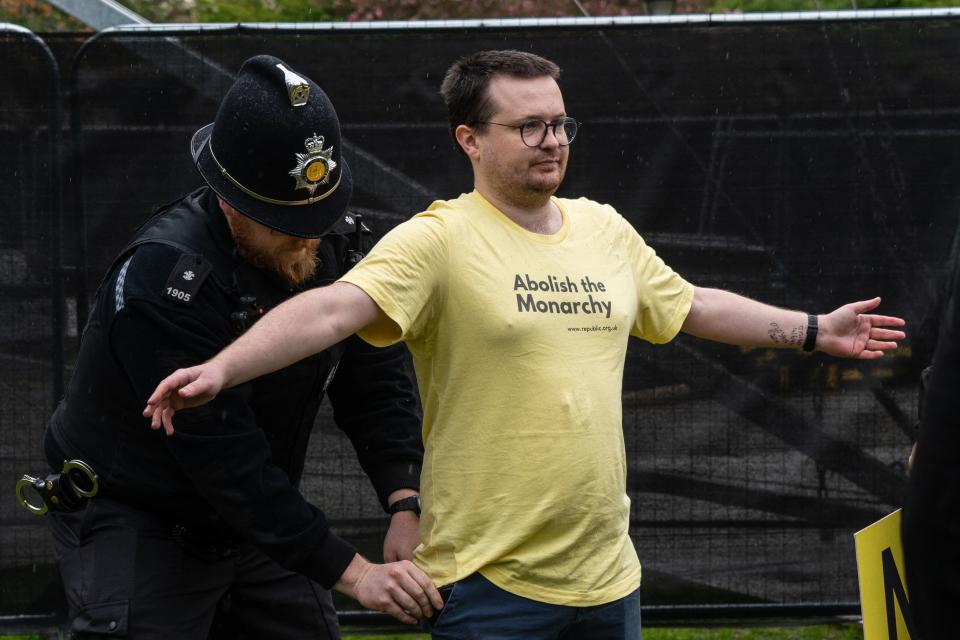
{"x": 185, "y": 279}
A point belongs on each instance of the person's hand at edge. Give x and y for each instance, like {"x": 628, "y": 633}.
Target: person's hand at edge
{"x": 851, "y": 332}
{"x": 182, "y": 389}
{"x": 400, "y": 589}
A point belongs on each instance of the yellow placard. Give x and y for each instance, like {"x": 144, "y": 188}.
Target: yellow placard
{"x": 883, "y": 590}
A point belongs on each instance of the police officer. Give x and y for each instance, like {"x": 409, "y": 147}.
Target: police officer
{"x": 205, "y": 534}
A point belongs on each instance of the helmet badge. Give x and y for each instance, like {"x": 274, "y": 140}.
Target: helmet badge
{"x": 298, "y": 91}
{"x": 313, "y": 167}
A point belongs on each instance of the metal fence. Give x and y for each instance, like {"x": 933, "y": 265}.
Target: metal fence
{"x": 31, "y": 299}
{"x": 804, "y": 162}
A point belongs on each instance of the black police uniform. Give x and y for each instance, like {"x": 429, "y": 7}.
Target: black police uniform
{"x": 931, "y": 515}
{"x": 181, "y": 522}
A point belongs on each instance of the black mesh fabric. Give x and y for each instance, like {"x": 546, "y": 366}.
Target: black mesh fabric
{"x": 30, "y": 301}
{"x": 806, "y": 164}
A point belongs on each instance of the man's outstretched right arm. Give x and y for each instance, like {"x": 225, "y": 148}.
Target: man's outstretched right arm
{"x": 304, "y": 325}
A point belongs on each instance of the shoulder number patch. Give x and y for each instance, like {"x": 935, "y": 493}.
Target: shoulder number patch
{"x": 185, "y": 279}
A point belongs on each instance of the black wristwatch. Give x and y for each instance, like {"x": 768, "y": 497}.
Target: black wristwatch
{"x": 411, "y": 503}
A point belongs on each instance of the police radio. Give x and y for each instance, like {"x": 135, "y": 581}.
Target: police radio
{"x": 355, "y": 253}
{"x": 248, "y": 313}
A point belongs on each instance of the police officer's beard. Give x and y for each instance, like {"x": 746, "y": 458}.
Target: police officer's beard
{"x": 293, "y": 259}
{"x": 298, "y": 263}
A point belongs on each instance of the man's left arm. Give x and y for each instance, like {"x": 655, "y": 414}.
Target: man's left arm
{"x": 375, "y": 403}
{"x": 849, "y": 331}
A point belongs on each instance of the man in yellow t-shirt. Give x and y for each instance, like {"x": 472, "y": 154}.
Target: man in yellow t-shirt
{"x": 519, "y": 343}
{"x": 517, "y": 306}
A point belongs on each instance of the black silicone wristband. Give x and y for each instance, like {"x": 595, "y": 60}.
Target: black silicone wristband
{"x": 810, "y": 342}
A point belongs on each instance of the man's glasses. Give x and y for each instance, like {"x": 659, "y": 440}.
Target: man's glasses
{"x": 534, "y": 132}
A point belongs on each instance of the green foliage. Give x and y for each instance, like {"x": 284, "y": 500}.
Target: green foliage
{"x": 321, "y": 10}
{"x": 235, "y": 10}
{"x": 162, "y": 10}
{"x": 38, "y": 16}
{"x": 748, "y": 6}
{"x": 468, "y": 9}
{"x": 266, "y": 11}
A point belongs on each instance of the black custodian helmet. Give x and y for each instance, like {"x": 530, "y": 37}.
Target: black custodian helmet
{"x": 274, "y": 152}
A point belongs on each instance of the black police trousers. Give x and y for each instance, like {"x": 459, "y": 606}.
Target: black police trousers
{"x": 126, "y": 574}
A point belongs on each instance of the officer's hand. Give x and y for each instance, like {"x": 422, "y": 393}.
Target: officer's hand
{"x": 397, "y": 588}
{"x": 182, "y": 389}
{"x": 403, "y": 536}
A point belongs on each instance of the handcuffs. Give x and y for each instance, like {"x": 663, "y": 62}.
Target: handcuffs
{"x": 66, "y": 491}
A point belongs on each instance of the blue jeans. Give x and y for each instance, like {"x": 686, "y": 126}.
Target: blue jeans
{"x": 478, "y": 609}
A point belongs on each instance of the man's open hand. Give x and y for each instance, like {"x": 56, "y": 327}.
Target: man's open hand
{"x": 182, "y": 389}
{"x": 851, "y": 332}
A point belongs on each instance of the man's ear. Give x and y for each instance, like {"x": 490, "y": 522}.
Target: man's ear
{"x": 468, "y": 140}
{"x": 229, "y": 213}
{"x": 225, "y": 206}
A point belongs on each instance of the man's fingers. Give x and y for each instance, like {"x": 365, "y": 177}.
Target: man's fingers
{"x": 194, "y": 389}
{"x": 422, "y": 608}
{"x": 423, "y": 589}
{"x": 409, "y": 588}
{"x": 866, "y": 305}
{"x": 400, "y": 614}
{"x": 166, "y": 415}
{"x": 165, "y": 388}
{"x": 429, "y": 590}
{"x": 181, "y": 389}
{"x": 408, "y": 592}
{"x": 876, "y": 345}
{"x": 400, "y": 589}
{"x": 161, "y": 415}
{"x": 886, "y": 321}
{"x": 181, "y": 380}
{"x": 886, "y": 334}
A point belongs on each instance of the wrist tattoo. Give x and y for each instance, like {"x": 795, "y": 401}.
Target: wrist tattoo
{"x": 779, "y": 336}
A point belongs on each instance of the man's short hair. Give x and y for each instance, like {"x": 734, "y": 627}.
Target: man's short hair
{"x": 465, "y": 87}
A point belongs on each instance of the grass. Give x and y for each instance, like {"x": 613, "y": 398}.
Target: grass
{"x": 821, "y": 632}
{"x": 825, "y": 632}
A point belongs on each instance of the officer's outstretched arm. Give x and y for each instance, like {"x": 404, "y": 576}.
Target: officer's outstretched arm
{"x": 301, "y": 326}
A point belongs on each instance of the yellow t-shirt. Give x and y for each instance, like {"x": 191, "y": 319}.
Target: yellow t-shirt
{"x": 518, "y": 341}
